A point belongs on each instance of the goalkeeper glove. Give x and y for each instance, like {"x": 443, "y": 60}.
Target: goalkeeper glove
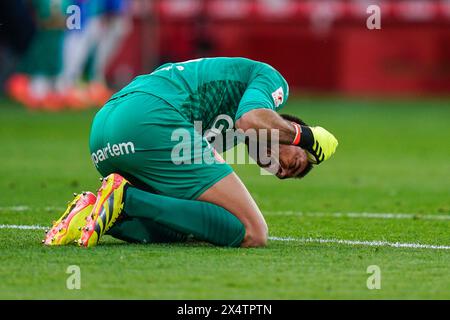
{"x": 318, "y": 143}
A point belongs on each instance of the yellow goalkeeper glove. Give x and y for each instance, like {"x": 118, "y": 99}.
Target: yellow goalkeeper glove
{"x": 318, "y": 143}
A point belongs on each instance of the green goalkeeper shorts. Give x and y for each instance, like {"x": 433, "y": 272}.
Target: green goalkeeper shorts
{"x": 151, "y": 144}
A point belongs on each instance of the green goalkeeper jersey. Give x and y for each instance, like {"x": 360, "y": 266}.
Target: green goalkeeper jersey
{"x": 161, "y": 129}
{"x": 203, "y": 89}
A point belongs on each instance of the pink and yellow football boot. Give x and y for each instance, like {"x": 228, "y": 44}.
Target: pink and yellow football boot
{"x": 107, "y": 209}
{"x": 68, "y": 228}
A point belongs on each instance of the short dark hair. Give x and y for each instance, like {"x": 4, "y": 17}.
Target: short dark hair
{"x": 299, "y": 121}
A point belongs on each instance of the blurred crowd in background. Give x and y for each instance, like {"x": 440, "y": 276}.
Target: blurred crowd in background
{"x": 321, "y": 46}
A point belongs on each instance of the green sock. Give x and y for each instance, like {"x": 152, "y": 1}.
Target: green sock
{"x": 205, "y": 221}
{"x": 141, "y": 230}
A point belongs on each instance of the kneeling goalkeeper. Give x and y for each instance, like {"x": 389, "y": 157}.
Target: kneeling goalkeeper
{"x": 152, "y": 193}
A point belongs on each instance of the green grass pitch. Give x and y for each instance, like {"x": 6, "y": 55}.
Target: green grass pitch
{"x": 393, "y": 157}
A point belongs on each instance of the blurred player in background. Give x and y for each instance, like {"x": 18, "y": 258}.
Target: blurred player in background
{"x": 16, "y": 33}
{"x": 104, "y": 24}
{"x": 33, "y": 84}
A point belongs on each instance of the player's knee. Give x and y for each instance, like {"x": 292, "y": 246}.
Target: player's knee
{"x": 255, "y": 237}
{"x": 255, "y": 241}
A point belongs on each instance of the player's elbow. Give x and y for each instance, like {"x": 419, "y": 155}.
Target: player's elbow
{"x": 247, "y": 121}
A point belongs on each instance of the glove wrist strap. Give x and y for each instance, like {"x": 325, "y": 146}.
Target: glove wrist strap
{"x": 298, "y": 134}
{"x": 307, "y": 138}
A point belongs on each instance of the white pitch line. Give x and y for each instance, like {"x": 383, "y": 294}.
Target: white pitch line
{"x": 369, "y": 215}
{"x": 16, "y": 208}
{"x": 375, "y": 243}
{"x": 27, "y": 208}
{"x": 301, "y": 240}
{"x": 22, "y": 227}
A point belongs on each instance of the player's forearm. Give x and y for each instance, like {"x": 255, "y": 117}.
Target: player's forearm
{"x": 318, "y": 142}
{"x": 269, "y": 120}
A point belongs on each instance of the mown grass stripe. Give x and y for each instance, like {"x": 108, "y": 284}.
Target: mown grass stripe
{"x": 370, "y": 215}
